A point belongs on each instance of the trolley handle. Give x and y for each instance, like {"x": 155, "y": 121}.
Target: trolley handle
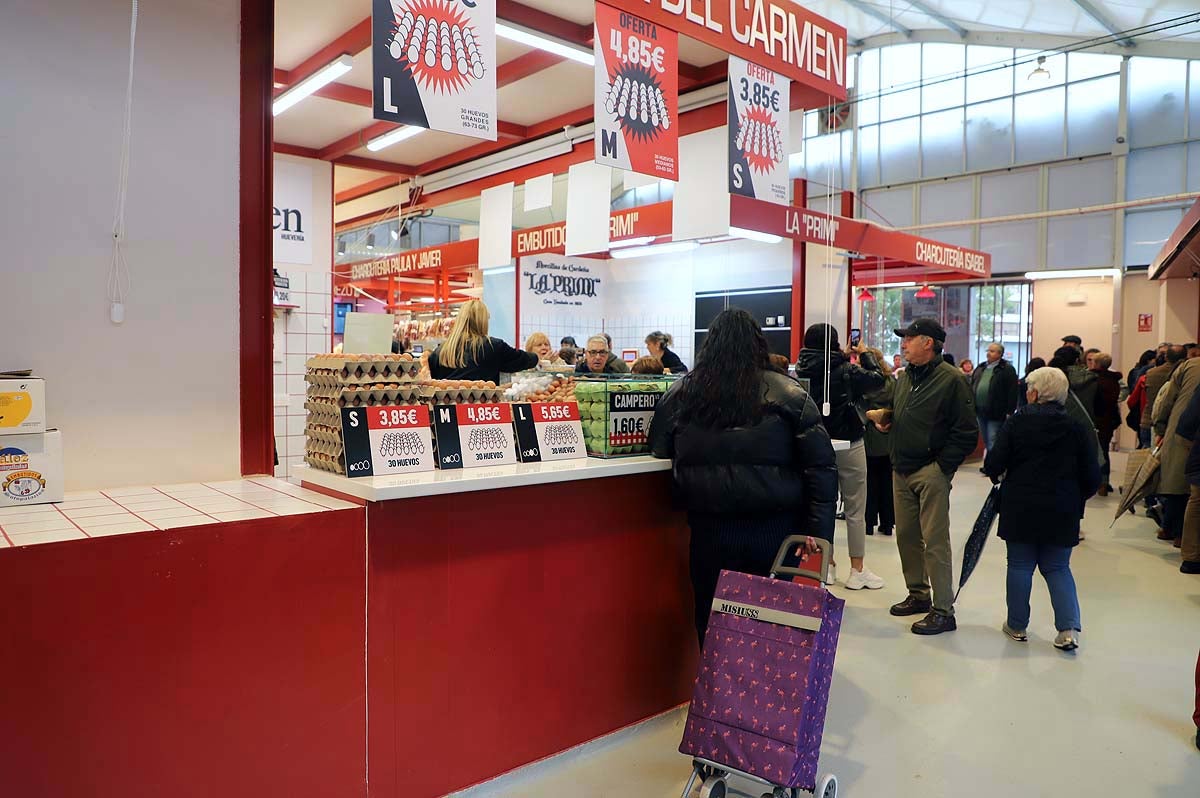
{"x": 801, "y": 540}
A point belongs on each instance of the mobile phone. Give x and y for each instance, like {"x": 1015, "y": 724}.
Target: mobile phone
{"x": 855, "y": 336}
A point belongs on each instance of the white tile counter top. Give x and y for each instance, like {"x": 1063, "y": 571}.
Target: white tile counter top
{"x": 466, "y": 480}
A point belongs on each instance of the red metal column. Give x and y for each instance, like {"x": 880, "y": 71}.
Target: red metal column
{"x": 799, "y": 272}
{"x": 254, "y": 275}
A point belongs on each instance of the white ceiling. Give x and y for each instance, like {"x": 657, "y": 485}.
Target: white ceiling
{"x": 317, "y": 122}
{"x": 345, "y": 177}
{"x": 302, "y": 27}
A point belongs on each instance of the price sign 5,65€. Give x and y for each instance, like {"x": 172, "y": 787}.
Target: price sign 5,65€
{"x": 548, "y": 431}
{"x": 386, "y": 440}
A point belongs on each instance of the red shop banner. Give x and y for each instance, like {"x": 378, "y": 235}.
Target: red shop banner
{"x": 777, "y": 34}
{"x": 637, "y": 94}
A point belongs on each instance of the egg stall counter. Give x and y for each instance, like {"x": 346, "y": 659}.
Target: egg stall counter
{"x": 536, "y": 605}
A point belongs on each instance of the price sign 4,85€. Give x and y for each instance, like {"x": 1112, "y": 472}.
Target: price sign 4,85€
{"x": 386, "y": 440}
{"x": 474, "y": 435}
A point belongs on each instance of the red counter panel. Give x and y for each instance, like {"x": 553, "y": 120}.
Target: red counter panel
{"x": 222, "y": 660}
{"x": 508, "y": 625}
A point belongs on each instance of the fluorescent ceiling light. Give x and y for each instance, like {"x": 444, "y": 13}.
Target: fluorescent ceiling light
{"x": 397, "y": 135}
{"x": 428, "y": 300}
{"x": 533, "y": 38}
{"x": 312, "y": 84}
{"x": 632, "y": 242}
{"x": 498, "y": 270}
{"x": 1077, "y": 273}
{"x": 754, "y": 235}
{"x": 655, "y": 249}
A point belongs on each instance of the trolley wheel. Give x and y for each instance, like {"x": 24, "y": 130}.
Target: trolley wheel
{"x": 713, "y": 787}
{"x": 827, "y": 787}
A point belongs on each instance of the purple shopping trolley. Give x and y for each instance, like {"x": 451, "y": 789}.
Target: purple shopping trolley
{"x": 758, "y": 708}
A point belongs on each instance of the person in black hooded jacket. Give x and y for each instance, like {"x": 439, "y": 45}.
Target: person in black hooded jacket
{"x": 848, "y": 385}
{"x": 753, "y": 464}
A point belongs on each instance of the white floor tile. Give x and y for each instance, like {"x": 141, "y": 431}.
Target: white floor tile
{"x": 171, "y": 512}
{"x": 38, "y": 526}
{"x": 242, "y": 515}
{"x": 84, "y": 504}
{"x": 113, "y": 493}
{"x": 88, "y": 524}
{"x": 122, "y": 528}
{"x": 161, "y": 503}
{"x": 26, "y": 509}
{"x": 185, "y": 520}
{"x": 29, "y": 515}
{"x": 34, "y": 538}
{"x": 296, "y": 510}
{"x": 73, "y": 495}
{"x": 94, "y": 512}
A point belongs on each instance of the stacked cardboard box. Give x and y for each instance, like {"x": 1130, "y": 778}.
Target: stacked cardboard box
{"x": 31, "y": 465}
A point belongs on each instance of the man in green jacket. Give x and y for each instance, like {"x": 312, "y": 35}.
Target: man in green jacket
{"x": 932, "y": 430}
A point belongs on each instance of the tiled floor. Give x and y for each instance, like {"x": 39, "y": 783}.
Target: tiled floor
{"x": 121, "y": 511}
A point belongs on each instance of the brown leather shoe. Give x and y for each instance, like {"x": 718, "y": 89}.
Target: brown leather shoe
{"x": 1165, "y": 535}
{"x": 1104, "y": 489}
{"x": 1177, "y": 543}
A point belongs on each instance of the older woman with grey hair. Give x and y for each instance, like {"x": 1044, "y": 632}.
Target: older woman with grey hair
{"x": 1049, "y": 470}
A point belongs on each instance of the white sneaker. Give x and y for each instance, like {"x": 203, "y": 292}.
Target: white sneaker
{"x": 831, "y": 576}
{"x": 864, "y": 578}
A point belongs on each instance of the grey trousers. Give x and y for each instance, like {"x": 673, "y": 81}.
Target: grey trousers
{"x": 923, "y": 535}
{"x": 852, "y": 481}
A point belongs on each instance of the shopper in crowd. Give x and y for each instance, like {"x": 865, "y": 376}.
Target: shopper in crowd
{"x": 658, "y": 344}
{"x": 597, "y": 358}
{"x": 614, "y": 364}
{"x": 648, "y": 365}
{"x": 1073, "y": 341}
{"x": 568, "y": 342}
{"x": 539, "y": 344}
{"x": 824, "y": 364}
{"x": 1193, "y": 350}
{"x": 1084, "y": 384}
{"x": 967, "y": 366}
{"x": 1048, "y": 469}
{"x": 881, "y": 512}
{"x": 932, "y": 429}
{"x": 1144, "y": 364}
{"x": 1136, "y": 400}
{"x": 994, "y": 385}
{"x": 752, "y": 462}
{"x": 949, "y": 358}
{"x": 1152, "y": 383}
{"x": 1189, "y": 426}
{"x": 568, "y": 355}
{"x": 1172, "y": 478}
{"x": 1022, "y": 387}
{"x": 780, "y": 363}
{"x": 897, "y": 366}
{"x": 1089, "y": 359}
{"x": 469, "y": 353}
{"x": 1108, "y": 413}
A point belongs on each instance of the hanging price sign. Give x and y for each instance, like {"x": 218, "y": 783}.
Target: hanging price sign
{"x": 759, "y": 114}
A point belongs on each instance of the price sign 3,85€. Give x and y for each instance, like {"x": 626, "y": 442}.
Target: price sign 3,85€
{"x": 474, "y": 435}
{"x": 386, "y": 440}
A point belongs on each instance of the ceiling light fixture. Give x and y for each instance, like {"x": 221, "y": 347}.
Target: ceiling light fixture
{"x": 312, "y": 84}
{"x": 865, "y": 295}
{"x": 396, "y": 136}
{"x": 925, "y": 293}
{"x": 371, "y": 241}
{"x": 754, "y": 235}
{"x": 640, "y": 241}
{"x": 532, "y": 38}
{"x": 1041, "y": 74}
{"x": 395, "y": 235}
{"x": 655, "y": 249}
{"x": 341, "y": 249}
{"x": 1072, "y": 273}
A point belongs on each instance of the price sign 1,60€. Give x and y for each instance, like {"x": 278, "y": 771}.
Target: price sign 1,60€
{"x": 386, "y": 440}
{"x": 548, "y": 431}
{"x": 474, "y": 435}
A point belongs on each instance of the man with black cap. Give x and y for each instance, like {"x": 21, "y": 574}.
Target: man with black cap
{"x": 1073, "y": 340}
{"x": 932, "y": 430}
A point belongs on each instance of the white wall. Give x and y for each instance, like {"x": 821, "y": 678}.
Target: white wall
{"x": 154, "y": 400}
{"x": 304, "y": 332}
{"x": 1179, "y": 309}
{"x": 1054, "y": 316}
{"x": 825, "y": 289}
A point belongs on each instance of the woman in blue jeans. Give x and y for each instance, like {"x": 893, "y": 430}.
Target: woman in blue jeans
{"x": 1049, "y": 470}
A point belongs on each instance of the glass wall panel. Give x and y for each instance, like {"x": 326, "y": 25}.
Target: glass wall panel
{"x": 1077, "y": 241}
{"x": 1156, "y": 92}
{"x": 1075, "y": 185}
{"x": 942, "y": 143}
{"x": 868, "y": 156}
{"x": 989, "y": 135}
{"x": 893, "y": 206}
{"x": 1193, "y": 129}
{"x": 1092, "y": 115}
{"x": 1193, "y": 166}
{"x": 1081, "y": 66}
{"x": 941, "y": 72}
{"x": 1039, "y": 126}
{"x": 1012, "y": 245}
{"x": 1155, "y": 172}
{"x": 1007, "y": 193}
{"x": 868, "y": 87}
{"x": 900, "y": 78}
{"x": 1056, "y": 65}
{"x": 947, "y": 201}
{"x": 898, "y": 149}
{"x": 990, "y": 73}
{"x": 1147, "y": 231}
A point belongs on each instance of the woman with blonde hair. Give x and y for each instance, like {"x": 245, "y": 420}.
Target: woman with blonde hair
{"x": 539, "y": 344}
{"x": 469, "y": 353}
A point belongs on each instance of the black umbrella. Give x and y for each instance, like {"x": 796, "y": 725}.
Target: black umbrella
{"x": 979, "y": 535}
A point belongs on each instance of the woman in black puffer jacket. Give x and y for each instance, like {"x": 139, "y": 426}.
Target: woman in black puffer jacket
{"x": 753, "y": 464}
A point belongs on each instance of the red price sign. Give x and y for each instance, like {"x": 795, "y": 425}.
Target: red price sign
{"x": 544, "y": 412}
{"x": 632, "y": 49}
{"x": 484, "y": 414}
{"x": 397, "y": 417}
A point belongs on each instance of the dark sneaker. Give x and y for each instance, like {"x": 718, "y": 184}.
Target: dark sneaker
{"x": 934, "y": 624}
{"x": 1189, "y": 567}
{"x": 870, "y": 530}
{"x": 1020, "y": 635}
{"x": 912, "y": 606}
{"x": 885, "y": 531}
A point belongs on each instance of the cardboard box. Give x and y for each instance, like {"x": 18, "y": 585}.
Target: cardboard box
{"x": 31, "y": 469}
{"x": 22, "y": 405}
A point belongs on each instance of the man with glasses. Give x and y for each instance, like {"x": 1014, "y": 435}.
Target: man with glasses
{"x": 599, "y": 359}
{"x": 932, "y": 429}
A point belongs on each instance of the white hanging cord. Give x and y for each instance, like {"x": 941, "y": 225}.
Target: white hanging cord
{"x": 118, "y": 269}
{"x": 827, "y": 264}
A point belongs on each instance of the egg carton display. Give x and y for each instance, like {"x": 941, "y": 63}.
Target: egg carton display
{"x": 354, "y": 369}
{"x": 325, "y": 462}
{"x": 463, "y": 392}
{"x": 370, "y": 395}
{"x": 322, "y": 433}
{"x": 332, "y": 448}
{"x": 538, "y": 386}
{"x": 616, "y": 412}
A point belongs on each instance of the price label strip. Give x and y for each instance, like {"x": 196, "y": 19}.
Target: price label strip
{"x": 637, "y": 94}
{"x": 548, "y": 431}
{"x": 629, "y": 416}
{"x": 469, "y": 436}
{"x": 759, "y": 137}
{"x": 387, "y": 440}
